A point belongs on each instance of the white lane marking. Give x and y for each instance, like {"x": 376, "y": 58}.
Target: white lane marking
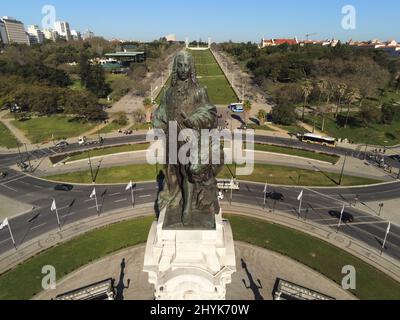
{"x": 88, "y": 200}
{"x": 14, "y": 179}
{"x": 115, "y": 194}
{"x": 121, "y": 200}
{"x": 67, "y": 215}
{"x": 3, "y": 185}
{"x": 1, "y": 242}
{"x": 145, "y": 196}
{"x": 139, "y": 189}
{"x": 361, "y": 223}
{"x": 94, "y": 207}
{"x": 39, "y": 226}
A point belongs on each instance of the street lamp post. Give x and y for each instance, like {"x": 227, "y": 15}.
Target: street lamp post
{"x": 29, "y": 158}
{"x": 380, "y": 208}
{"x": 343, "y": 167}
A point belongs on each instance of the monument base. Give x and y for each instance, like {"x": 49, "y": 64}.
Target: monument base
{"x": 190, "y": 264}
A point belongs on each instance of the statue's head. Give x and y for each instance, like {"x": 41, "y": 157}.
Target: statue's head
{"x": 184, "y": 68}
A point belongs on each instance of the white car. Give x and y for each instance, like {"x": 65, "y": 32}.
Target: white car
{"x": 228, "y": 185}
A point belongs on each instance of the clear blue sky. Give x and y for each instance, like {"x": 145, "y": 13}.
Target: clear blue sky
{"x": 237, "y": 20}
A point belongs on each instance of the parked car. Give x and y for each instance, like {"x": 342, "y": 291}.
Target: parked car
{"x": 63, "y": 187}
{"x": 236, "y": 107}
{"x": 275, "y": 196}
{"x": 62, "y": 144}
{"x": 346, "y": 218}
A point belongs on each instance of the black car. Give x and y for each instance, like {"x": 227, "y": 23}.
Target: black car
{"x": 346, "y": 218}
{"x": 275, "y": 196}
{"x": 63, "y": 187}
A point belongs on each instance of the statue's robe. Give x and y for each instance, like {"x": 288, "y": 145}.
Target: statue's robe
{"x": 189, "y": 98}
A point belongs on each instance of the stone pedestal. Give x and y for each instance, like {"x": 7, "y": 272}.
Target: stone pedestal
{"x": 190, "y": 264}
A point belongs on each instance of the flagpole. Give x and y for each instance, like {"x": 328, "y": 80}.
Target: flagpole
{"x": 133, "y": 196}
{"x": 56, "y": 210}
{"x": 97, "y": 205}
{"x": 12, "y": 237}
{"x": 341, "y": 217}
{"x": 265, "y": 194}
{"x": 384, "y": 241}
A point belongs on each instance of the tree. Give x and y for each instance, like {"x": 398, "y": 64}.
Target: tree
{"x": 261, "y": 115}
{"x": 388, "y": 113}
{"x": 96, "y": 81}
{"x": 341, "y": 91}
{"x": 284, "y": 114}
{"x": 370, "y": 113}
{"x": 148, "y": 107}
{"x": 84, "y": 105}
{"x": 352, "y": 96}
{"x": 306, "y": 88}
{"x": 247, "y": 108}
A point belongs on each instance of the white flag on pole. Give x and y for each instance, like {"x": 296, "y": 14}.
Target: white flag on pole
{"x": 93, "y": 195}
{"x": 129, "y": 186}
{"x": 53, "y": 206}
{"x": 4, "y": 224}
{"x": 300, "y": 195}
{"x": 388, "y": 228}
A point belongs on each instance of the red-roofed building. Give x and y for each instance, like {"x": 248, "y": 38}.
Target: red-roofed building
{"x": 277, "y": 42}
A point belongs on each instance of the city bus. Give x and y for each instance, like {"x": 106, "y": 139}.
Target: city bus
{"x": 317, "y": 139}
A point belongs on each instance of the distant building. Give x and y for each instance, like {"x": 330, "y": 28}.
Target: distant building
{"x": 277, "y": 42}
{"x": 15, "y": 31}
{"x": 76, "y": 35}
{"x": 88, "y": 35}
{"x": 170, "y": 38}
{"x": 62, "y": 28}
{"x": 35, "y": 35}
{"x": 3, "y": 33}
{"x": 50, "y": 34}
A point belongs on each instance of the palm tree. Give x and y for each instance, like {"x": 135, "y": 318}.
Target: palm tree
{"x": 261, "y": 116}
{"x": 148, "y": 106}
{"x": 247, "y": 108}
{"x": 341, "y": 90}
{"x": 322, "y": 85}
{"x": 353, "y": 95}
{"x": 307, "y": 87}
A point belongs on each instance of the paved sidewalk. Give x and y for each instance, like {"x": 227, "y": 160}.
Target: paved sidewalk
{"x": 131, "y": 283}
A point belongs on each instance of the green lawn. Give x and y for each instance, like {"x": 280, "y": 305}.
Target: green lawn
{"x": 111, "y": 127}
{"x": 41, "y": 129}
{"x": 316, "y": 254}
{"x": 264, "y": 127}
{"x": 24, "y": 281}
{"x": 211, "y": 76}
{"x": 293, "y": 129}
{"x": 295, "y": 176}
{"x": 110, "y": 150}
{"x": 275, "y": 174}
{"x": 374, "y": 134}
{"x": 297, "y": 152}
{"x": 122, "y": 174}
{"x": 7, "y": 139}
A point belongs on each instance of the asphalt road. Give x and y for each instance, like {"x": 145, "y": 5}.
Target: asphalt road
{"x": 11, "y": 159}
{"x": 76, "y": 205}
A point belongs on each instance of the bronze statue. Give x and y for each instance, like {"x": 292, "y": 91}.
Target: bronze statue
{"x": 189, "y": 191}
